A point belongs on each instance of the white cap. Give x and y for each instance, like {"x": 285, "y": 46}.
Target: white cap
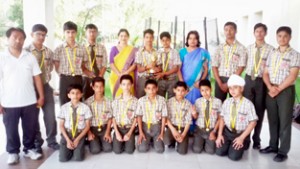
{"x": 236, "y": 80}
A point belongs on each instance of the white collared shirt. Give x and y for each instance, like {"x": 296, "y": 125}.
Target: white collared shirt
{"x": 228, "y": 58}
{"x": 83, "y": 113}
{"x": 152, "y": 110}
{"x": 16, "y": 77}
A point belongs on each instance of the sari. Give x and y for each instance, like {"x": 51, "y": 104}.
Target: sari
{"x": 122, "y": 61}
{"x": 191, "y": 69}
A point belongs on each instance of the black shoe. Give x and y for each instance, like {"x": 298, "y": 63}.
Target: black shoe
{"x": 280, "y": 158}
{"x": 172, "y": 145}
{"x": 246, "y": 146}
{"x": 39, "y": 150}
{"x": 54, "y": 146}
{"x": 256, "y": 146}
{"x": 268, "y": 150}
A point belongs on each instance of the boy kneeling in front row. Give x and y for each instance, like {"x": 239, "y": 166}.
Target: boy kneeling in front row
{"x": 179, "y": 120}
{"x": 238, "y": 119}
{"x": 151, "y": 114}
{"x": 74, "y": 124}
{"x": 124, "y": 119}
{"x": 207, "y": 114}
{"x": 99, "y": 135}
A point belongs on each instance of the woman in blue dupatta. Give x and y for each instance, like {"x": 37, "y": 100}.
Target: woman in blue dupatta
{"x": 195, "y": 65}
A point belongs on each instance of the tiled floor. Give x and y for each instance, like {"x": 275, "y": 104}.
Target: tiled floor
{"x": 171, "y": 160}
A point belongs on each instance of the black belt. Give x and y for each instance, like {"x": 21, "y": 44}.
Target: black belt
{"x": 205, "y": 130}
{"x": 152, "y": 124}
{"x": 149, "y": 77}
{"x": 99, "y": 128}
{"x": 276, "y": 85}
{"x": 255, "y": 77}
{"x": 234, "y": 131}
{"x": 125, "y": 126}
{"x": 63, "y": 75}
{"x": 77, "y": 131}
{"x": 181, "y": 128}
{"x": 169, "y": 78}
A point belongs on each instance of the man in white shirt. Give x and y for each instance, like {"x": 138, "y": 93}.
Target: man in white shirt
{"x": 20, "y": 74}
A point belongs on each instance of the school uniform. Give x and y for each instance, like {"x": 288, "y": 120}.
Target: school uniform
{"x": 152, "y": 114}
{"x": 144, "y": 58}
{"x": 18, "y": 99}
{"x": 208, "y": 112}
{"x": 124, "y": 112}
{"x": 74, "y": 124}
{"x": 228, "y": 58}
{"x": 280, "y": 108}
{"x": 70, "y": 70}
{"x": 255, "y": 89}
{"x": 45, "y": 61}
{"x": 236, "y": 115}
{"x": 97, "y": 59}
{"x": 179, "y": 113}
{"x": 101, "y": 114}
{"x": 169, "y": 60}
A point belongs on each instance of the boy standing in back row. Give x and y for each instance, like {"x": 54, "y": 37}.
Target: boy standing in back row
{"x": 44, "y": 56}
{"x": 148, "y": 62}
{"x": 170, "y": 59}
{"x": 255, "y": 89}
{"x": 97, "y": 59}
{"x": 69, "y": 59}
{"x": 230, "y": 58}
{"x": 280, "y": 76}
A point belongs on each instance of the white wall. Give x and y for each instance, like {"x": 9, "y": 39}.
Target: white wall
{"x": 42, "y": 12}
{"x": 274, "y": 14}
